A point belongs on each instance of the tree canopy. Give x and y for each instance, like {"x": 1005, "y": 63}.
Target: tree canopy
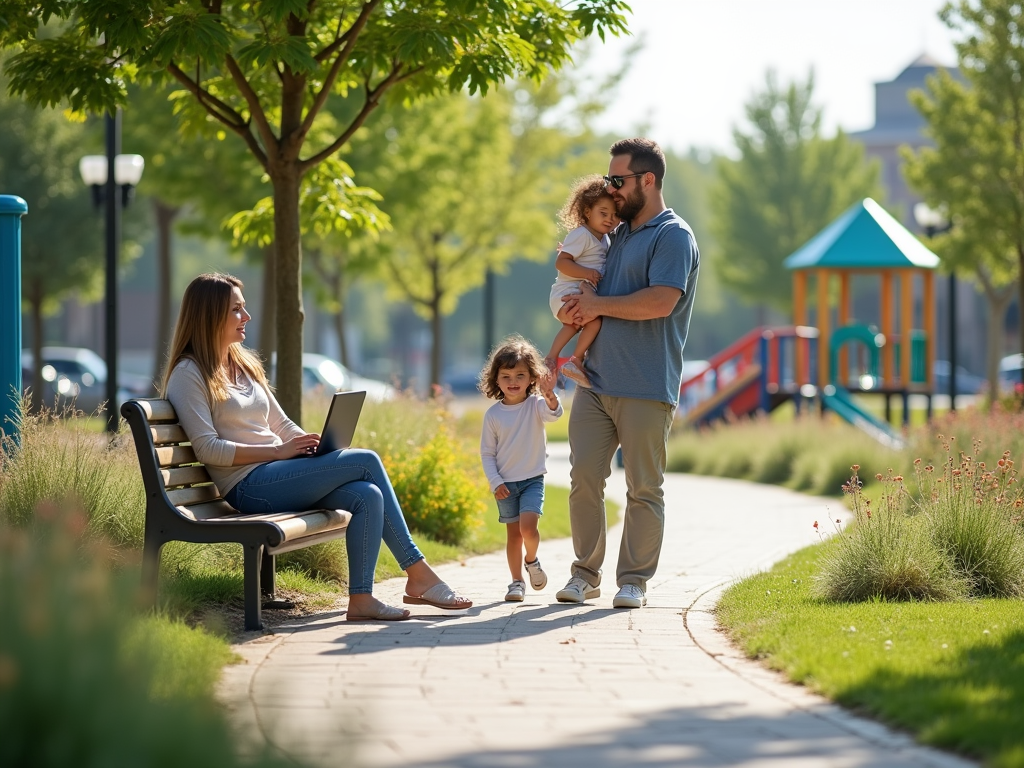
{"x": 265, "y": 70}
{"x": 975, "y": 171}
{"x": 788, "y": 183}
{"x": 62, "y": 235}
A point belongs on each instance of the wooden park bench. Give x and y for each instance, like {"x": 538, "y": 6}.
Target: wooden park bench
{"x": 183, "y": 504}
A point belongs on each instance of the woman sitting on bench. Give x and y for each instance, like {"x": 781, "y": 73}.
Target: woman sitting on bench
{"x": 237, "y": 429}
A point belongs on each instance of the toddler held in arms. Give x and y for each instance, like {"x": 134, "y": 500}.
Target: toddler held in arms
{"x": 589, "y": 214}
{"x": 513, "y": 450}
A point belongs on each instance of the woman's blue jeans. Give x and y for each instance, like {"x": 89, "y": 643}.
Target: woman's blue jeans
{"x": 352, "y": 479}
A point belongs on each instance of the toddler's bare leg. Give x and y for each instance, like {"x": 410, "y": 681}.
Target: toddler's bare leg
{"x": 587, "y": 336}
{"x": 530, "y": 533}
{"x": 514, "y": 550}
{"x": 563, "y": 337}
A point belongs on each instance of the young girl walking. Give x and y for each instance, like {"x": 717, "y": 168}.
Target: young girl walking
{"x": 589, "y": 214}
{"x": 513, "y": 448}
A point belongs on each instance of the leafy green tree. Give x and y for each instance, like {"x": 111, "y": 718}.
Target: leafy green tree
{"x": 61, "y": 235}
{"x": 265, "y": 70}
{"x": 470, "y": 183}
{"x": 975, "y": 171}
{"x": 787, "y": 184}
{"x": 193, "y": 179}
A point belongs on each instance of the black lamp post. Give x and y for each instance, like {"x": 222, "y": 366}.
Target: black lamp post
{"x": 935, "y": 223}
{"x": 104, "y": 174}
{"x": 488, "y": 298}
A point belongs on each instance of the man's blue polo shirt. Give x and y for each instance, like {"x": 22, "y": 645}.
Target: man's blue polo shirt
{"x": 644, "y": 359}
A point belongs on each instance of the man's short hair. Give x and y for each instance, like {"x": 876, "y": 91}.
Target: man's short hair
{"x": 645, "y": 156}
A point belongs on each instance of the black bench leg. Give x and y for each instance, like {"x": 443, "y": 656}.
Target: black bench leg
{"x": 150, "y": 567}
{"x": 268, "y": 573}
{"x": 253, "y": 617}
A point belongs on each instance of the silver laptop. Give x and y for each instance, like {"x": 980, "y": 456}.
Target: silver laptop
{"x": 340, "y": 425}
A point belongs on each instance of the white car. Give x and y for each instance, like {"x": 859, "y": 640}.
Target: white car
{"x": 72, "y": 376}
{"x": 322, "y": 373}
{"x": 1010, "y": 369}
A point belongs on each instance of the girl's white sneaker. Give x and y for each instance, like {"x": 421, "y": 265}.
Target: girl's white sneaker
{"x": 516, "y": 592}
{"x": 538, "y": 579}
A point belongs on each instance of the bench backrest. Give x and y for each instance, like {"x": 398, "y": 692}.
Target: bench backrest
{"x": 172, "y": 469}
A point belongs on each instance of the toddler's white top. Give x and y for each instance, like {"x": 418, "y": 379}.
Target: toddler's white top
{"x": 513, "y": 445}
{"x": 586, "y": 250}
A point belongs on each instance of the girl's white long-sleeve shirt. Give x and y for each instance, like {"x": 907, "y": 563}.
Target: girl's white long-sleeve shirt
{"x": 513, "y": 445}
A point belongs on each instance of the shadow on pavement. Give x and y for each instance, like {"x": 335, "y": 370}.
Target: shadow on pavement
{"x": 428, "y": 631}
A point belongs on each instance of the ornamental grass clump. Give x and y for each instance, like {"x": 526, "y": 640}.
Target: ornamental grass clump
{"x": 84, "y": 679}
{"x": 974, "y": 516}
{"x": 886, "y": 553}
{"x": 60, "y": 458}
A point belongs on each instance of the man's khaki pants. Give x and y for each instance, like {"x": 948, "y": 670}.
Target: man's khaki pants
{"x": 598, "y": 424}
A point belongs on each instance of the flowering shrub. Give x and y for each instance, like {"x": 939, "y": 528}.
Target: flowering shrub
{"x": 886, "y": 553}
{"x": 974, "y": 516}
{"x": 440, "y": 487}
{"x": 958, "y": 535}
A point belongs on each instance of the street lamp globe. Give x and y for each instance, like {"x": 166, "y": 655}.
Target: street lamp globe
{"x": 93, "y": 169}
{"x": 929, "y": 219}
{"x": 127, "y": 169}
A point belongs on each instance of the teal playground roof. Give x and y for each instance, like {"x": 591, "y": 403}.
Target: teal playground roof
{"x": 866, "y": 236}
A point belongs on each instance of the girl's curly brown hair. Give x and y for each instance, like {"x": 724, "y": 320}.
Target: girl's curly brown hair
{"x": 586, "y": 193}
{"x": 512, "y": 351}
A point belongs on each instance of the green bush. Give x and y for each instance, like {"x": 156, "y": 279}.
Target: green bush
{"x": 83, "y": 680}
{"x": 440, "y": 487}
{"x": 885, "y": 555}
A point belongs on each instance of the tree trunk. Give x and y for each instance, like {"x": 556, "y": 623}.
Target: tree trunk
{"x": 339, "y": 317}
{"x": 435, "y": 321}
{"x": 998, "y": 300}
{"x": 435, "y": 352}
{"x": 1020, "y": 313}
{"x": 165, "y": 216}
{"x": 268, "y": 322}
{"x": 288, "y": 281}
{"x": 36, "y": 302}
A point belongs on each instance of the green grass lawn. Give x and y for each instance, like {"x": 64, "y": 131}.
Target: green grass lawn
{"x": 950, "y": 673}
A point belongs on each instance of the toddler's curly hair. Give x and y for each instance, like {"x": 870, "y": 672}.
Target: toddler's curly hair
{"x": 512, "y": 351}
{"x": 586, "y": 193}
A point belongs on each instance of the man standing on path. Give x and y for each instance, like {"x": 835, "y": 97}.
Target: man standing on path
{"x": 635, "y": 368}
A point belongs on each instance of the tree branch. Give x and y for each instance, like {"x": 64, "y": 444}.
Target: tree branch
{"x": 255, "y": 109}
{"x": 207, "y": 99}
{"x": 332, "y": 76}
{"x": 353, "y": 31}
{"x": 372, "y": 99}
{"x": 404, "y": 285}
{"x": 232, "y": 119}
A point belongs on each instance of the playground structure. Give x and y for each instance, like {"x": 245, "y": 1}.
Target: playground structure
{"x": 826, "y": 363}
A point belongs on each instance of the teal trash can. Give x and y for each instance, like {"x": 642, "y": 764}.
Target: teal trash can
{"x": 12, "y": 208}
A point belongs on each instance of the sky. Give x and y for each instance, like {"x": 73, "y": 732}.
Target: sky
{"x": 702, "y": 59}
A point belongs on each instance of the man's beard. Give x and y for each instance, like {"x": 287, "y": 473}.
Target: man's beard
{"x": 633, "y": 204}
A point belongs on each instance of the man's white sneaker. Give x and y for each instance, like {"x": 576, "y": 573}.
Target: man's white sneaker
{"x": 538, "y": 579}
{"x": 629, "y": 596}
{"x": 516, "y": 592}
{"x": 576, "y": 591}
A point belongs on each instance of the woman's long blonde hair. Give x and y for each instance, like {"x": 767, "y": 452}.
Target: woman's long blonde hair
{"x": 204, "y": 308}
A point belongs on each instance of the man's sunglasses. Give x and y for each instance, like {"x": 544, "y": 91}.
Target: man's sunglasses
{"x": 618, "y": 181}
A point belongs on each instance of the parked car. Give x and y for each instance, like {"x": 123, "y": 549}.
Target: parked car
{"x": 324, "y": 374}
{"x": 1011, "y": 368}
{"x": 966, "y": 382}
{"x": 75, "y": 376}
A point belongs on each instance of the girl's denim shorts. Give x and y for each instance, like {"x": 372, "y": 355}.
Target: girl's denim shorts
{"x": 523, "y": 496}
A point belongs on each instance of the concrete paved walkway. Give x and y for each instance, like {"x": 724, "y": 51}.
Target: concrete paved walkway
{"x": 545, "y": 684}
